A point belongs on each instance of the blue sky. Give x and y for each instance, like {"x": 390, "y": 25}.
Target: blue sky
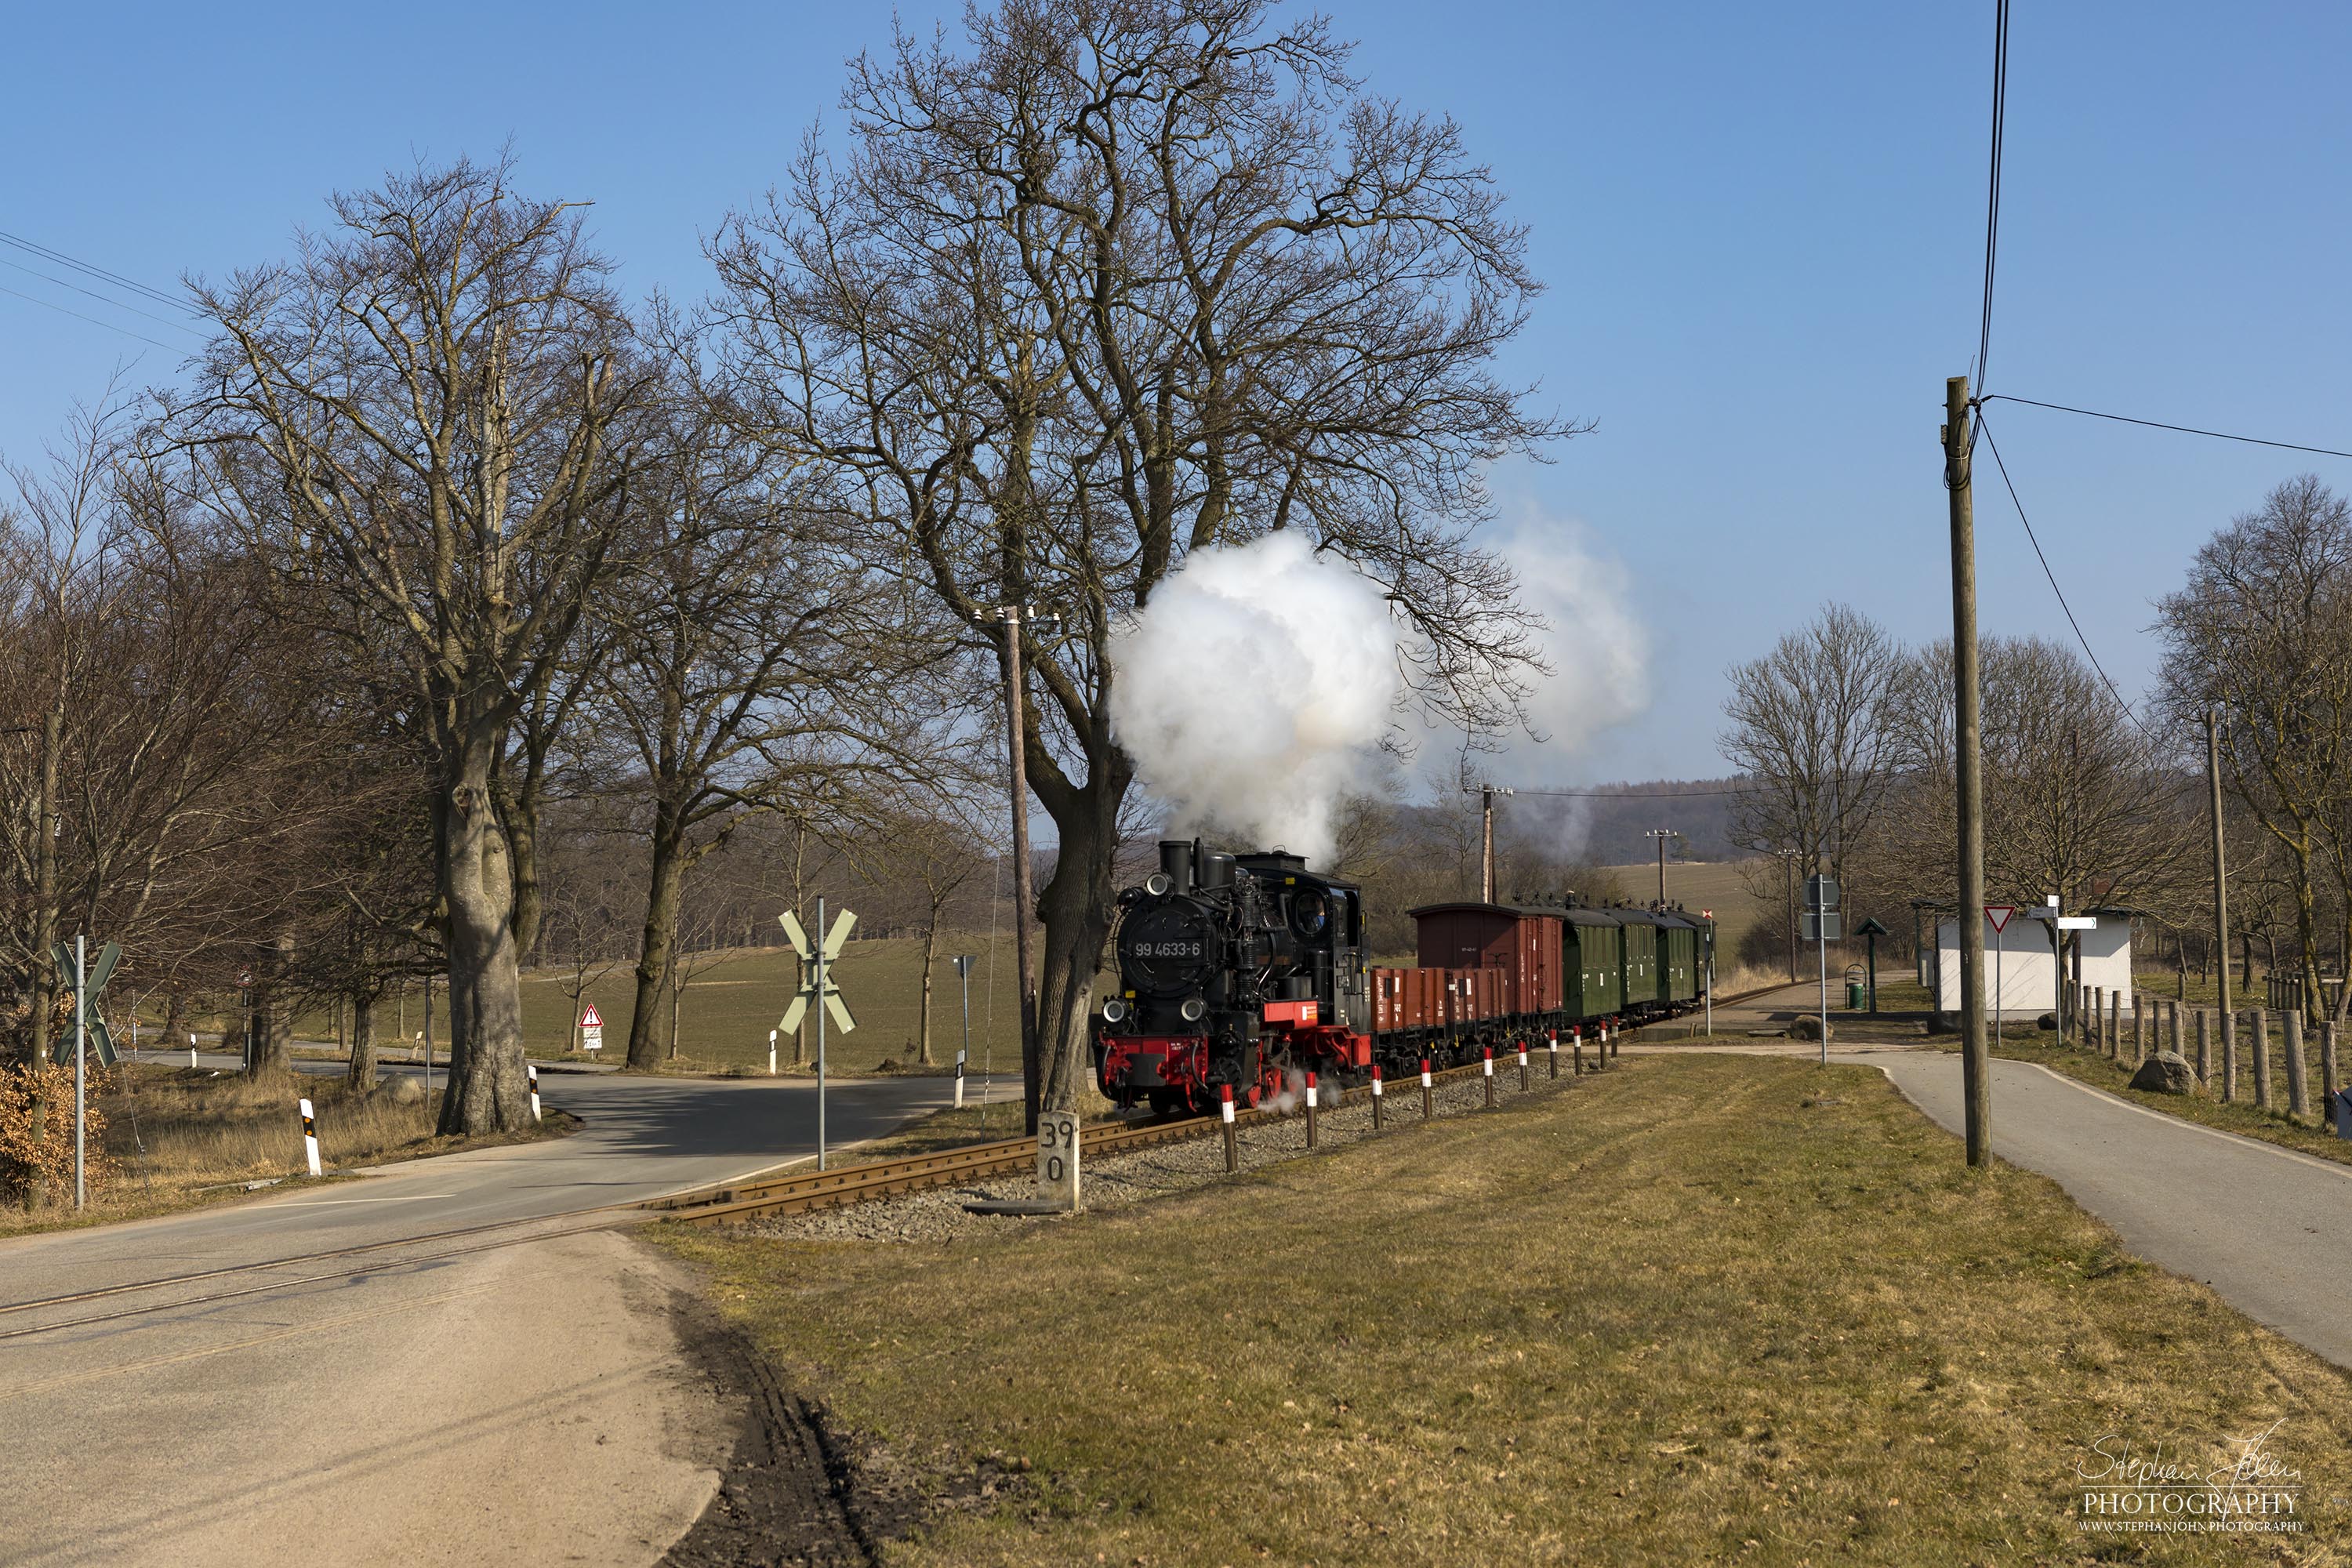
{"x": 1761, "y": 227}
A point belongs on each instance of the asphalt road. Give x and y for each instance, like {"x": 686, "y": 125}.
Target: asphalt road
{"x": 520, "y": 1396}
{"x": 2264, "y": 1227}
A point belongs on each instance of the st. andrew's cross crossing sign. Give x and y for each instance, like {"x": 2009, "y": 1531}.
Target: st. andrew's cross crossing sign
{"x": 816, "y": 973}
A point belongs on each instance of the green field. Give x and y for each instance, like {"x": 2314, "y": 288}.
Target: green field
{"x": 1703, "y": 1308}
{"x": 732, "y": 1003}
{"x": 734, "y": 999}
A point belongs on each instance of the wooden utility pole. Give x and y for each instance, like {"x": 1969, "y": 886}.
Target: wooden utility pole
{"x": 1975, "y": 1058}
{"x": 2221, "y": 879}
{"x": 1024, "y": 897}
{"x": 1661, "y": 834}
{"x": 1486, "y": 793}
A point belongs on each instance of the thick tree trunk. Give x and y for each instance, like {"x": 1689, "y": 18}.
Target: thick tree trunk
{"x": 522, "y": 820}
{"x": 361, "y": 1072}
{"x": 274, "y": 1044}
{"x": 488, "y": 1091}
{"x": 1076, "y": 907}
{"x": 651, "y": 1036}
{"x": 2307, "y": 928}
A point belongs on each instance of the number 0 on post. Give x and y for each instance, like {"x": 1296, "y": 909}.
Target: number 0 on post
{"x": 1058, "y": 1158}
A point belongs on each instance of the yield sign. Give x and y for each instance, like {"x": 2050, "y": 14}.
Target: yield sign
{"x": 590, "y": 1018}
{"x": 2000, "y": 915}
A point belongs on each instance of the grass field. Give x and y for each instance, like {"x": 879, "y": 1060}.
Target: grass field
{"x": 1698, "y": 885}
{"x": 172, "y": 1133}
{"x": 733, "y": 1001}
{"x": 1702, "y": 1308}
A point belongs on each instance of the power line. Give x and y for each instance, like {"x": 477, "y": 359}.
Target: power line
{"x": 1992, "y": 182}
{"x": 2031, "y": 537}
{"x": 2160, "y": 425}
{"x": 93, "y": 320}
{"x": 104, "y": 299}
{"x": 1625, "y": 794}
{"x": 119, "y": 282}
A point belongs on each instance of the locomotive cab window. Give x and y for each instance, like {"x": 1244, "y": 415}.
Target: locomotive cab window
{"x": 1310, "y": 915}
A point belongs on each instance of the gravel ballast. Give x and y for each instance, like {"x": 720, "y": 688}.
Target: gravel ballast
{"x": 1117, "y": 1180}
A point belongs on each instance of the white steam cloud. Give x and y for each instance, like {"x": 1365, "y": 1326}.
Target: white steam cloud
{"x": 1255, "y": 689}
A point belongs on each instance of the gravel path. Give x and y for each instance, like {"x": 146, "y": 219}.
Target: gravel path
{"x": 1120, "y": 1179}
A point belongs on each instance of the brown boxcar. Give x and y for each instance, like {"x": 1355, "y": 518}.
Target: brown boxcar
{"x": 1524, "y": 944}
{"x": 1409, "y": 999}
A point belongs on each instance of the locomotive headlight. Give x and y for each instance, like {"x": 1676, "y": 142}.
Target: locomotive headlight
{"x": 1158, "y": 884}
{"x": 1194, "y": 1009}
{"x": 1113, "y": 1010}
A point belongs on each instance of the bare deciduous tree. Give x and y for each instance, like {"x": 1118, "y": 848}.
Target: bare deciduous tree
{"x": 1810, "y": 733}
{"x": 1120, "y": 282}
{"x": 423, "y": 418}
{"x": 2262, "y": 631}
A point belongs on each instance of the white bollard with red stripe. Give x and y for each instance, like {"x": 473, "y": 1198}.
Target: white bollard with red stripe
{"x": 534, "y": 1090}
{"x": 1489, "y": 1066}
{"x": 1376, "y": 1096}
{"x": 309, "y": 1138}
{"x": 1226, "y": 1107}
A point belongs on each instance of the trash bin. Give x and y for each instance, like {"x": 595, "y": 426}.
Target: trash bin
{"x": 1853, "y": 996}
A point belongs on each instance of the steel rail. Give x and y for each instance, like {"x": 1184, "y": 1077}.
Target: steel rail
{"x": 846, "y": 1185}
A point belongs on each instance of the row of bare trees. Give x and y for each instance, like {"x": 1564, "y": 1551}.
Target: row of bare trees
{"x": 449, "y": 562}
{"x": 1846, "y": 739}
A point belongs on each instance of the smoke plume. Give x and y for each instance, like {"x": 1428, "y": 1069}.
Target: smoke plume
{"x": 1254, "y": 689}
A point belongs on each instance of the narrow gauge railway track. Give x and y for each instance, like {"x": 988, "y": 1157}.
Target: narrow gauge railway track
{"x": 807, "y": 1191}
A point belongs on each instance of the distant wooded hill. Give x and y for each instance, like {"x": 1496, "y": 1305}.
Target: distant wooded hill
{"x": 1612, "y": 821}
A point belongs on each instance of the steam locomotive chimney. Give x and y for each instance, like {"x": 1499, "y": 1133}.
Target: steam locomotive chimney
{"x": 1176, "y": 860}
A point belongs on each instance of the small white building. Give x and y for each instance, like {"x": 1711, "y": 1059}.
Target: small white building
{"x": 2026, "y": 967}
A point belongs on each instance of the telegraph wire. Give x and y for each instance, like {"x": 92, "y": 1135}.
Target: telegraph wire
{"x": 93, "y": 320}
{"x": 105, "y": 299}
{"x": 119, "y": 282}
{"x": 1992, "y": 182}
{"x": 2160, "y": 425}
{"x": 1994, "y": 447}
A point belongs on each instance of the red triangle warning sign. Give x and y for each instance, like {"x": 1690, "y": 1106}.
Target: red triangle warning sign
{"x": 590, "y": 1018}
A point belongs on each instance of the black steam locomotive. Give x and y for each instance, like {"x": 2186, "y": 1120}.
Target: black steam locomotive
{"x": 1232, "y": 970}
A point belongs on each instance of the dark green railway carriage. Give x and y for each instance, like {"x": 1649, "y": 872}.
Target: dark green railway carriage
{"x": 1680, "y": 964}
{"x": 1640, "y": 984}
{"x": 1592, "y": 963}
